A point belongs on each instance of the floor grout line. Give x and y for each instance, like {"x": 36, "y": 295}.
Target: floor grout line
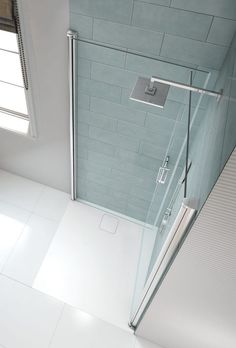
{"x": 17, "y": 240}
{"x": 56, "y": 326}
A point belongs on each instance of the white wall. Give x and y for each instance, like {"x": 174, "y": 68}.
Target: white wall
{"x": 45, "y": 159}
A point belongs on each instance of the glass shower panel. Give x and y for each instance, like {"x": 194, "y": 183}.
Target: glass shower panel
{"x": 212, "y": 139}
{"x": 215, "y": 138}
{"x": 130, "y": 155}
{"x": 122, "y": 143}
{"x": 168, "y": 196}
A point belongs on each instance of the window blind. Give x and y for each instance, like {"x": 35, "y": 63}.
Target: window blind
{"x": 7, "y": 18}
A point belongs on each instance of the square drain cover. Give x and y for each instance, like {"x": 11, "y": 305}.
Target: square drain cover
{"x": 109, "y": 223}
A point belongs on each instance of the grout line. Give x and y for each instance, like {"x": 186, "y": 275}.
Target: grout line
{"x": 56, "y": 326}
{"x": 209, "y": 29}
{"x": 152, "y": 3}
{"x": 16, "y": 242}
{"x": 139, "y": 54}
{"x": 92, "y": 28}
{"x": 31, "y": 288}
{"x": 132, "y": 13}
{"x": 163, "y": 38}
{"x": 158, "y": 5}
{"x": 201, "y": 13}
{"x": 62, "y": 302}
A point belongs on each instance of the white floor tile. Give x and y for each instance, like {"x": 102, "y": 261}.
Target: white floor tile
{"x": 79, "y": 329}
{"x": 19, "y": 191}
{"x": 29, "y": 251}
{"x": 142, "y": 343}
{"x": 52, "y": 204}
{"x": 91, "y": 269}
{"x": 12, "y": 222}
{"x": 27, "y": 318}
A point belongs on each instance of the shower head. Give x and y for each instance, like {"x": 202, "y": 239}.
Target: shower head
{"x": 151, "y": 93}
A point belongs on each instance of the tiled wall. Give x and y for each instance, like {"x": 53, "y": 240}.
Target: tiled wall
{"x": 121, "y": 144}
{"x": 217, "y": 134}
{"x": 214, "y": 142}
{"x": 189, "y": 31}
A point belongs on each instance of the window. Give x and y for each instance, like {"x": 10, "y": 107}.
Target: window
{"x": 13, "y": 106}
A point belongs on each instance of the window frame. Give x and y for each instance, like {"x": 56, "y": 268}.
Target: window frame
{"x": 29, "y": 93}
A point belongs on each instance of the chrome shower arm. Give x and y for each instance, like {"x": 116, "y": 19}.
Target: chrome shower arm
{"x": 185, "y": 86}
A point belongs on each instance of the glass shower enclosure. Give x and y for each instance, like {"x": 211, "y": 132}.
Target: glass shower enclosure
{"x": 136, "y": 159}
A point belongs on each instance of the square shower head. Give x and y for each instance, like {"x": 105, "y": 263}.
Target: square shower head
{"x": 155, "y": 96}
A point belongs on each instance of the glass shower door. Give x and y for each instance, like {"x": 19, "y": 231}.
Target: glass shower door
{"x": 130, "y": 156}
{"x": 169, "y": 193}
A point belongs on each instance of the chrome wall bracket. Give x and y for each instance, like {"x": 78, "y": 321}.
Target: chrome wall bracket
{"x": 218, "y": 95}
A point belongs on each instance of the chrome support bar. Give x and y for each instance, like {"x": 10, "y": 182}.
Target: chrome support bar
{"x": 167, "y": 253}
{"x": 185, "y": 86}
{"x": 72, "y": 36}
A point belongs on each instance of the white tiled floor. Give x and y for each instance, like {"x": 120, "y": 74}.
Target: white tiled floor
{"x": 29, "y": 251}
{"x": 27, "y": 318}
{"x": 29, "y": 217}
{"x": 91, "y": 268}
{"x": 12, "y": 222}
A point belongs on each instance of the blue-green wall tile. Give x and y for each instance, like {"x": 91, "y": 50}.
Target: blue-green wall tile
{"x": 138, "y": 192}
{"x": 114, "y": 76}
{"x": 101, "y": 54}
{"x": 82, "y": 24}
{"x": 134, "y": 170}
{"x": 82, "y": 153}
{"x": 107, "y": 9}
{"x": 100, "y": 158}
{"x": 150, "y": 67}
{"x": 156, "y": 122}
{"x": 97, "y": 120}
{"x": 97, "y": 198}
{"x": 117, "y": 111}
{"x": 221, "y": 8}
{"x": 99, "y": 89}
{"x": 222, "y": 31}
{"x": 172, "y": 21}
{"x": 157, "y": 2}
{"x": 119, "y": 205}
{"x": 114, "y": 139}
{"x": 127, "y": 36}
{"x": 83, "y": 129}
{"x": 97, "y": 146}
{"x": 139, "y": 202}
{"x": 131, "y": 179}
{"x": 153, "y": 150}
{"x": 197, "y": 52}
{"x": 138, "y": 159}
{"x": 83, "y": 101}
{"x": 137, "y": 213}
{"x": 141, "y": 133}
{"x": 84, "y": 68}
{"x": 86, "y": 165}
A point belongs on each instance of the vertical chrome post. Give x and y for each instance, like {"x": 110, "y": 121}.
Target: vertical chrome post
{"x": 72, "y": 36}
